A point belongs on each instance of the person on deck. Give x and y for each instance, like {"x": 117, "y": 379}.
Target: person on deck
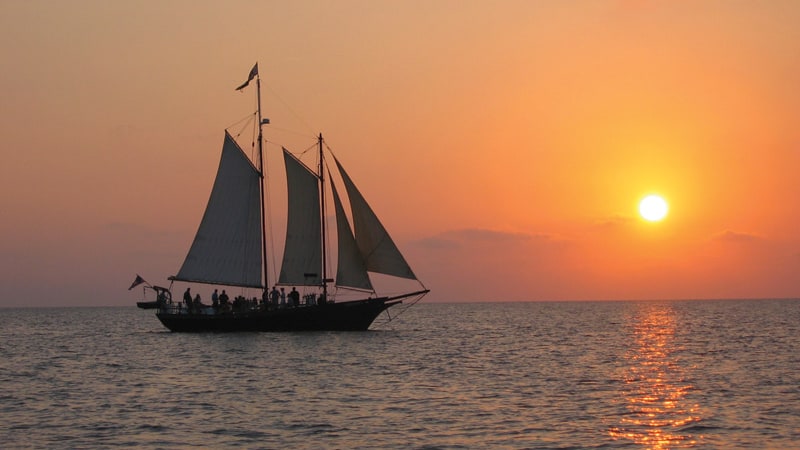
{"x": 187, "y": 298}
{"x": 197, "y": 303}
{"x": 223, "y": 300}
{"x": 161, "y": 299}
{"x": 274, "y": 295}
{"x": 215, "y": 299}
{"x": 294, "y": 296}
{"x": 283, "y": 298}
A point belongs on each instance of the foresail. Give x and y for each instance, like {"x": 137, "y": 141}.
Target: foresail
{"x": 302, "y": 255}
{"x": 227, "y": 247}
{"x": 350, "y": 269}
{"x": 379, "y": 252}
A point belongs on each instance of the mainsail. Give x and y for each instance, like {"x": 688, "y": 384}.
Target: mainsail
{"x": 302, "y": 255}
{"x": 227, "y": 247}
{"x": 378, "y": 251}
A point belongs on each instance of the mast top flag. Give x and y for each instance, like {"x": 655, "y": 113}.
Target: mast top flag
{"x": 253, "y": 73}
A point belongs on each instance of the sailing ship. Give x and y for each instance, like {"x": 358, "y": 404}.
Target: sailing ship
{"x": 230, "y": 250}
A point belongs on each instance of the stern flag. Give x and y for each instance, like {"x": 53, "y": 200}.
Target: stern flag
{"x": 253, "y": 73}
{"x": 139, "y": 280}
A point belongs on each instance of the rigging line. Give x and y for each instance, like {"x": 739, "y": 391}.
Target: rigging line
{"x": 248, "y": 117}
{"x": 328, "y": 147}
{"x": 248, "y": 120}
{"x": 294, "y": 132}
{"x": 406, "y": 307}
{"x": 286, "y": 105}
{"x": 311, "y": 147}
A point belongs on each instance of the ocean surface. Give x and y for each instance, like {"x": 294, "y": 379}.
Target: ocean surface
{"x": 687, "y": 374}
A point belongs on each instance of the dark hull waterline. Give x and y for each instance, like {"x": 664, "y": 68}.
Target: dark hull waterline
{"x": 344, "y": 316}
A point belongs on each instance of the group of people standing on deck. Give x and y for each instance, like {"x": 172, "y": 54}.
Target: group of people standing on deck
{"x": 273, "y": 299}
{"x": 196, "y": 304}
{"x": 280, "y": 299}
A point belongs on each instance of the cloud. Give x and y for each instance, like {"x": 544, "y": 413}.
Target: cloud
{"x": 613, "y": 223}
{"x": 736, "y": 236}
{"x": 454, "y": 239}
{"x": 438, "y": 243}
{"x": 483, "y": 234}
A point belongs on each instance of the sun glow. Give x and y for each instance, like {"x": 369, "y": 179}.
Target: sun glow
{"x": 653, "y": 208}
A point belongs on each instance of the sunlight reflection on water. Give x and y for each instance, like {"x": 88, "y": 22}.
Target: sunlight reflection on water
{"x": 656, "y": 385}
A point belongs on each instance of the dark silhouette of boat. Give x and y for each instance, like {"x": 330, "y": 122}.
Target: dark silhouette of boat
{"x": 342, "y": 316}
{"x": 229, "y": 250}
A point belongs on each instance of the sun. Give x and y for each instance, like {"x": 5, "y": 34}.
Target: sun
{"x": 653, "y": 208}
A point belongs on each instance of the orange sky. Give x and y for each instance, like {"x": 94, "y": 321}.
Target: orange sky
{"x": 505, "y": 145}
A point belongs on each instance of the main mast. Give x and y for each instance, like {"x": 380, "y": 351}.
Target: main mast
{"x": 322, "y": 215}
{"x": 261, "y": 181}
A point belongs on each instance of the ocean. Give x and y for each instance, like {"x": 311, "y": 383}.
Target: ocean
{"x": 583, "y": 375}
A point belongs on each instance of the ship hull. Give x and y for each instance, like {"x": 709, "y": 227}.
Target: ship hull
{"x": 344, "y": 316}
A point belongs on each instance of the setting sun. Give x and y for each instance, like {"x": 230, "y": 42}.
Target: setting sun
{"x": 653, "y": 208}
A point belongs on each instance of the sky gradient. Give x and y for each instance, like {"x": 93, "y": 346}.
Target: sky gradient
{"x": 505, "y": 145}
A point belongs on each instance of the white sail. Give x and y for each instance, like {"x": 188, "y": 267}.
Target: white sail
{"x": 378, "y": 251}
{"x": 302, "y": 255}
{"x": 350, "y": 269}
{"x": 227, "y": 247}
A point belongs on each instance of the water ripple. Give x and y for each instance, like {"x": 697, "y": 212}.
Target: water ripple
{"x": 507, "y": 376}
